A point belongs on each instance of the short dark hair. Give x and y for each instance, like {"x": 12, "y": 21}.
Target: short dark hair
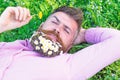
{"x": 75, "y": 13}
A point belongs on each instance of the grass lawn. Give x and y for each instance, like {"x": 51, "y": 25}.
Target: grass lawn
{"x": 104, "y": 13}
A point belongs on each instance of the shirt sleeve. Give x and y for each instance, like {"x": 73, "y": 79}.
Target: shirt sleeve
{"x": 96, "y": 35}
{"x": 18, "y": 44}
{"x": 104, "y": 51}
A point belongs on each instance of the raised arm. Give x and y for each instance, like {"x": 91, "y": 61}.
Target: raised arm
{"x": 92, "y": 59}
{"x": 14, "y": 17}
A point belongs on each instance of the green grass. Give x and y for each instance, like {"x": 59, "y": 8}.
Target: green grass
{"x": 105, "y": 13}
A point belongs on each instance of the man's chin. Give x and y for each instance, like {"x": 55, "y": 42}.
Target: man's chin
{"x": 45, "y": 46}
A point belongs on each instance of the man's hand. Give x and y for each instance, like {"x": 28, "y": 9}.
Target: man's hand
{"x": 80, "y": 37}
{"x": 14, "y": 17}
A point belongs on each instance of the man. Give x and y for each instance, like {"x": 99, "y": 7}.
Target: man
{"x": 29, "y": 60}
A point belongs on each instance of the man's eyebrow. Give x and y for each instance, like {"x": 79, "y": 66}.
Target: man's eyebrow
{"x": 56, "y": 19}
{"x": 64, "y": 24}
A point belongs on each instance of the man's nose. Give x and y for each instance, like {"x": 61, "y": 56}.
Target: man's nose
{"x": 58, "y": 28}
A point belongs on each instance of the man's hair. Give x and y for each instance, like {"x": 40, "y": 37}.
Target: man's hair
{"x": 75, "y": 13}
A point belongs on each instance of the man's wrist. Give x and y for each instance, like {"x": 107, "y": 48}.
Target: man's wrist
{"x": 80, "y": 37}
{"x": 83, "y": 35}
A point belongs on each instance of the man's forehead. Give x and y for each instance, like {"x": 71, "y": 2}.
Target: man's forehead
{"x": 64, "y": 18}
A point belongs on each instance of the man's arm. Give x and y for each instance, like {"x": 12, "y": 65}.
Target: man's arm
{"x": 92, "y": 59}
{"x": 14, "y": 17}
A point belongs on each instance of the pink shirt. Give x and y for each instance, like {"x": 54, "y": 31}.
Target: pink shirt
{"x": 18, "y": 61}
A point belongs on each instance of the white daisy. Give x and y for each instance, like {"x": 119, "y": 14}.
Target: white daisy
{"x": 37, "y": 48}
{"x": 50, "y": 53}
{"x": 36, "y": 42}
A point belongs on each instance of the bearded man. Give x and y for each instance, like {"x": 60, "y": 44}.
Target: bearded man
{"x": 45, "y": 55}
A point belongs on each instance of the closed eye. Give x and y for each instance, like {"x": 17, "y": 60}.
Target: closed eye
{"x": 54, "y": 22}
{"x": 67, "y": 31}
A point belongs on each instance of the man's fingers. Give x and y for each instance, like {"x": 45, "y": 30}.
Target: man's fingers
{"x": 26, "y": 21}
{"x": 16, "y": 13}
{"x": 28, "y": 11}
{"x": 25, "y": 14}
{"x": 21, "y": 13}
{"x": 11, "y": 11}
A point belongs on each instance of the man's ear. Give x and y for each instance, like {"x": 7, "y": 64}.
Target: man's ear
{"x": 41, "y": 25}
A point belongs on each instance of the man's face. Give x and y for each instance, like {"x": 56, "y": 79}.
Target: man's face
{"x": 64, "y": 26}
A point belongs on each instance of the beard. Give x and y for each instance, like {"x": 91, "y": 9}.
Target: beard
{"x": 44, "y": 45}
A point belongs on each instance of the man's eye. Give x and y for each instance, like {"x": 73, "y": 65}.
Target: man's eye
{"x": 67, "y": 31}
{"x": 55, "y": 22}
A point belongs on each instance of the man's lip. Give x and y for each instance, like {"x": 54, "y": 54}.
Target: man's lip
{"x": 52, "y": 37}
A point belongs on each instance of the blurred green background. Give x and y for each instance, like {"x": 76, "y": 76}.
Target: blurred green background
{"x": 104, "y": 13}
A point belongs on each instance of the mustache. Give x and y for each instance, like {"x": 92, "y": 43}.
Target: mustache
{"x": 53, "y": 32}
